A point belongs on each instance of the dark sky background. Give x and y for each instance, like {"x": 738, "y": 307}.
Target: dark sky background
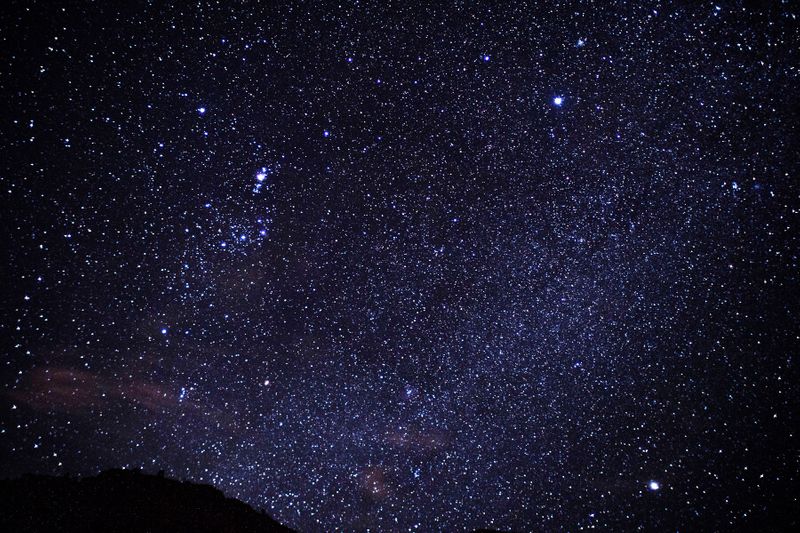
{"x": 530, "y": 265}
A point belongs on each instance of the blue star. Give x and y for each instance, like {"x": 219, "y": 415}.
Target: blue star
{"x": 201, "y": 110}
{"x": 558, "y": 100}
{"x": 653, "y": 485}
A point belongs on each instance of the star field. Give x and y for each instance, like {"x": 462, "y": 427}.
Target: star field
{"x": 382, "y": 266}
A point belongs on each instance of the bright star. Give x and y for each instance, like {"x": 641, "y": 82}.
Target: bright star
{"x": 654, "y": 485}
{"x": 326, "y": 133}
{"x": 201, "y": 110}
{"x": 558, "y": 100}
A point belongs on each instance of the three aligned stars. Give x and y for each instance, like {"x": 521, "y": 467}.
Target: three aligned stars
{"x": 395, "y": 278}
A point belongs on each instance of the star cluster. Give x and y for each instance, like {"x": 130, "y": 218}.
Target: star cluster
{"x": 387, "y": 266}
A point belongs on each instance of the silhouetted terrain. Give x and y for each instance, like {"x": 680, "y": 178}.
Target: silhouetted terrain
{"x": 121, "y": 501}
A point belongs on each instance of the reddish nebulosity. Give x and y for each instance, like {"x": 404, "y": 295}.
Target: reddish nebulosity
{"x": 374, "y": 483}
{"x": 408, "y": 266}
{"x": 73, "y": 391}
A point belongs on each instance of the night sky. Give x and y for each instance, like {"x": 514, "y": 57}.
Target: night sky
{"x": 380, "y": 266}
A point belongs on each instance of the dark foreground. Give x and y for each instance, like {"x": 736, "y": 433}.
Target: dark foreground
{"x": 122, "y": 501}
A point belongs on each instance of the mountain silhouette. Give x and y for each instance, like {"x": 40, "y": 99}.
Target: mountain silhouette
{"x": 124, "y": 501}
